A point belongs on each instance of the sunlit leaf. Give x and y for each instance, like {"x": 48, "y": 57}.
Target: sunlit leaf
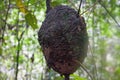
{"x": 31, "y": 20}
{"x": 76, "y": 77}
{"x": 21, "y": 58}
{"x": 21, "y": 6}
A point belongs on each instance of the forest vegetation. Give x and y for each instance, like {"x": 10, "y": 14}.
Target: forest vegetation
{"x": 21, "y": 56}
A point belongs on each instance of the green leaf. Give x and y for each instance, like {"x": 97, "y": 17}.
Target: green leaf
{"x": 21, "y": 6}
{"x": 113, "y": 4}
{"x": 76, "y": 77}
{"x": 31, "y": 20}
{"x": 21, "y": 59}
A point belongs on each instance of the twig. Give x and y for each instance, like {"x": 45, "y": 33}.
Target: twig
{"x": 8, "y": 25}
{"x": 84, "y": 68}
{"x": 18, "y": 47}
{"x": 72, "y": 4}
{"x": 18, "y": 50}
{"x": 4, "y": 27}
{"x": 18, "y": 54}
{"x": 109, "y": 14}
{"x": 90, "y": 7}
{"x": 48, "y": 5}
{"x": 95, "y": 72}
{"x": 17, "y": 60}
{"x": 79, "y": 7}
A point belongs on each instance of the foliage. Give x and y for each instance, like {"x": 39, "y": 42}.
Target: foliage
{"x": 19, "y": 21}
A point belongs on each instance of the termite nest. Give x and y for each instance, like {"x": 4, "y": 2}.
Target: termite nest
{"x": 64, "y": 40}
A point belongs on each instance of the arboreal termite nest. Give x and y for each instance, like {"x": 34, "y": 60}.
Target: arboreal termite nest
{"x": 64, "y": 41}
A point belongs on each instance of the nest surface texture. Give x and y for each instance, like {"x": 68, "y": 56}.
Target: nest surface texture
{"x": 63, "y": 38}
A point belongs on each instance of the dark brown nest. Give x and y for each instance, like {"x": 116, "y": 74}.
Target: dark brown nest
{"x": 63, "y": 38}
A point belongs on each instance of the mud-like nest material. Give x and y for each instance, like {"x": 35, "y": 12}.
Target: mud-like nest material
{"x": 63, "y": 38}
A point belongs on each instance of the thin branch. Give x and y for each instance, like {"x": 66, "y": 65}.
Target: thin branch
{"x": 19, "y": 38}
{"x": 90, "y": 7}
{"x": 109, "y": 14}
{"x": 79, "y": 6}
{"x": 85, "y": 69}
{"x": 48, "y": 5}
{"x": 8, "y": 25}
{"x": 93, "y": 60}
{"x": 17, "y": 60}
{"x": 4, "y": 27}
{"x": 18, "y": 54}
{"x": 18, "y": 50}
{"x": 72, "y": 4}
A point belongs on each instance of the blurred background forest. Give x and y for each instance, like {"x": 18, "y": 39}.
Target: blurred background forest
{"x": 21, "y": 54}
